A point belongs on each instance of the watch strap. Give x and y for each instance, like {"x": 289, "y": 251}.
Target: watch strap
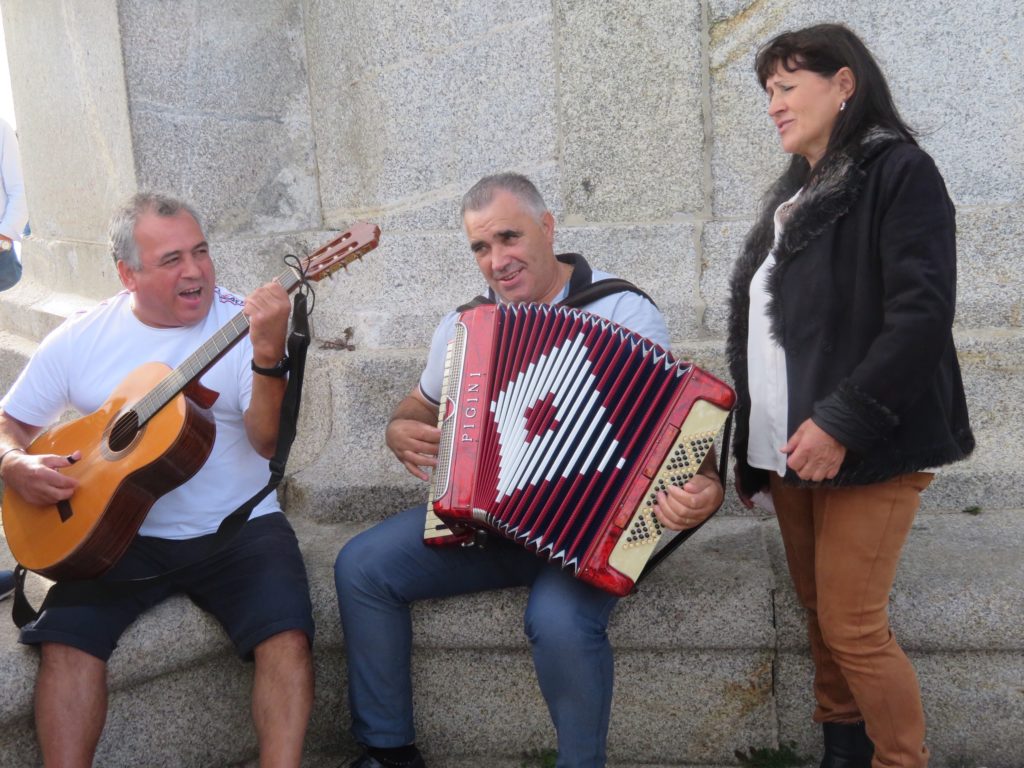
{"x": 277, "y": 371}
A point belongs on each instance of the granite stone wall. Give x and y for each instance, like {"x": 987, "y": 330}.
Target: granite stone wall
{"x": 641, "y": 122}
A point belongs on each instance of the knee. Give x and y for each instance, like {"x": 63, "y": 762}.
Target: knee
{"x": 563, "y": 629}
{"x": 354, "y": 565}
{"x": 852, "y": 632}
{"x": 63, "y": 667}
{"x": 291, "y": 644}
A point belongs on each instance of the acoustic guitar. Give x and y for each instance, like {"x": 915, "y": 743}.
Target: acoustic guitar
{"x": 153, "y": 433}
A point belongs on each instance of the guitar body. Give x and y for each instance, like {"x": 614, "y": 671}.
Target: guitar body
{"x": 119, "y": 481}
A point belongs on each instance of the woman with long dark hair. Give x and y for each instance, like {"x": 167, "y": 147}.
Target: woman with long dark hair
{"x": 841, "y": 347}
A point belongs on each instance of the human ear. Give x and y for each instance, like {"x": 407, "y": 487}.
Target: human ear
{"x": 127, "y": 275}
{"x": 846, "y": 81}
{"x": 547, "y": 223}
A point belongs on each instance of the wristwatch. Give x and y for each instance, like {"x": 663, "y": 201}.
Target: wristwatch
{"x": 277, "y": 371}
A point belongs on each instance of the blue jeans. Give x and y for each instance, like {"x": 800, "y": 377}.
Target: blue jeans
{"x": 380, "y": 572}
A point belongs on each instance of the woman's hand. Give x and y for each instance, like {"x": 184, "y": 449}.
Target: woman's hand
{"x": 813, "y": 453}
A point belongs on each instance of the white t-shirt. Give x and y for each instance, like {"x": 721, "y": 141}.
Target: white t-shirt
{"x": 766, "y": 370}
{"x": 626, "y": 308}
{"x": 82, "y": 361}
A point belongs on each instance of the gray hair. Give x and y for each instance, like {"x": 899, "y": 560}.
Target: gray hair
{"x": 482, "y": 193}
{"x": 122, "y": 226}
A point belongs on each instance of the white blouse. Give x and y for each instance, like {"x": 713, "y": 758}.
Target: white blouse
{"x": 766, "y": 368}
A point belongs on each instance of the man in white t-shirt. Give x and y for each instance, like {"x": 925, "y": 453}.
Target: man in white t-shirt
{"x": 380, "y": 572}
{"x": 255, "y": 584}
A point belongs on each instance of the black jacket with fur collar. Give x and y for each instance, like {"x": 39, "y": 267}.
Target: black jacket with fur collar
{"x": 862, "y": 299}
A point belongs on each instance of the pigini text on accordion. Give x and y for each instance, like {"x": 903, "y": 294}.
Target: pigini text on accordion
{"x": 558, "y": 429}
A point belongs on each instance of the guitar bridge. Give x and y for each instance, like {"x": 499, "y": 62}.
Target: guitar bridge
{"x": 64, "y": 510}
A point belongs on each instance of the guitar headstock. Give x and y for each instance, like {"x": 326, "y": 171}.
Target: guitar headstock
{"x": 351, "y": 245}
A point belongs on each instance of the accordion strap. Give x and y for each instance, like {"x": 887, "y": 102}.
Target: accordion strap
{"x": 582, "y": 289}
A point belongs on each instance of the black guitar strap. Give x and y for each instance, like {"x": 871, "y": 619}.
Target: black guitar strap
{"x": 74, "y": 591}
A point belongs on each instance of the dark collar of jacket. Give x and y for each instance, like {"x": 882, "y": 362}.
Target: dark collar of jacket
{"x": 837, "y": 187}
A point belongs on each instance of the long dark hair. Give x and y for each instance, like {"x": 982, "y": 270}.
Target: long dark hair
{"x": 825, "y": 49}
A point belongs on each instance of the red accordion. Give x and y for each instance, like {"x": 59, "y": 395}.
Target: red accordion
{"x": 558, "y": 429}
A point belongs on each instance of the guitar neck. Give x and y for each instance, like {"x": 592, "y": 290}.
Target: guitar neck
{"x": 336, "y": 254}
{"x": 204, "y": 358}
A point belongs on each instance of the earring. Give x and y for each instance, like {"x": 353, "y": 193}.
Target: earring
{"x": 842, "y": 106}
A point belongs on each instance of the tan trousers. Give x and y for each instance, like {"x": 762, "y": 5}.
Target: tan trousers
{"x": 843, "y": 546}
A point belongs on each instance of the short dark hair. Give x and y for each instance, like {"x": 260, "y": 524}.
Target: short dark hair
{"x": 825, "y": 49}
{"x": 122, "y": 226}
{"x": 480, "y": 194}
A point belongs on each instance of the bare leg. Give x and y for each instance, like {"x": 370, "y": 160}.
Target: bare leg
{"x": 282, "y": 697}
{"x": 71, "y": 705}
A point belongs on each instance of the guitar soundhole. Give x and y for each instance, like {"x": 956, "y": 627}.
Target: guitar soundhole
{"x": 124, "y": 431}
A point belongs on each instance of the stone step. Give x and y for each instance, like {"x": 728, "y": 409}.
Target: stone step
{"x": 710, "y": 659}
{"x": 341, "y": 469}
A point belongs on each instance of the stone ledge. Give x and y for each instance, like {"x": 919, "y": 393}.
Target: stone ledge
{"x": 713, "y": 625}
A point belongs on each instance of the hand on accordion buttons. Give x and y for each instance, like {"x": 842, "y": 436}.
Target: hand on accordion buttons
{"x": 415, "y": 444}
{"x": 682, "y": 508}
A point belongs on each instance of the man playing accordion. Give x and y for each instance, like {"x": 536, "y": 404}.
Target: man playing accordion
{"x": 380, "y": 572}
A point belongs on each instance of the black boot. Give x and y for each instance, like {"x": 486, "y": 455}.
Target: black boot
{"x": 847, "y": 746}
{"x": 401, "y": 757}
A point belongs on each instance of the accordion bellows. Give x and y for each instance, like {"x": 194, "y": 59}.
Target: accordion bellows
{"x": 558, "y": 429}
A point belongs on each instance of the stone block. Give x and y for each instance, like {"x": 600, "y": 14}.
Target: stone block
{"x": 721, "y": 245}
{"x": 395, "y": 296}
{"x": 71, "y": 267}
{"x": 396, "y": 133}
{"x": 692, "y": 651}
{"x": 76, "y": 143}
{"x": 694, "y": 707}
{"x": 989, "y": 283}
{"x": 225, "y": 120}
{"x": 244, "y": 176}
{"x": 239, "y": 57}
{"x": 632, "y": 117}
{"x": 30, "y": 311}
{"x": 990, "y": 363}
{"x": 14, "y": 353}
{"x": 355, "y": 476}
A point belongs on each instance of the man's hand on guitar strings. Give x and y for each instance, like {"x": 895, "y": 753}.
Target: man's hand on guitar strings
{"x": 37, "y": 478}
